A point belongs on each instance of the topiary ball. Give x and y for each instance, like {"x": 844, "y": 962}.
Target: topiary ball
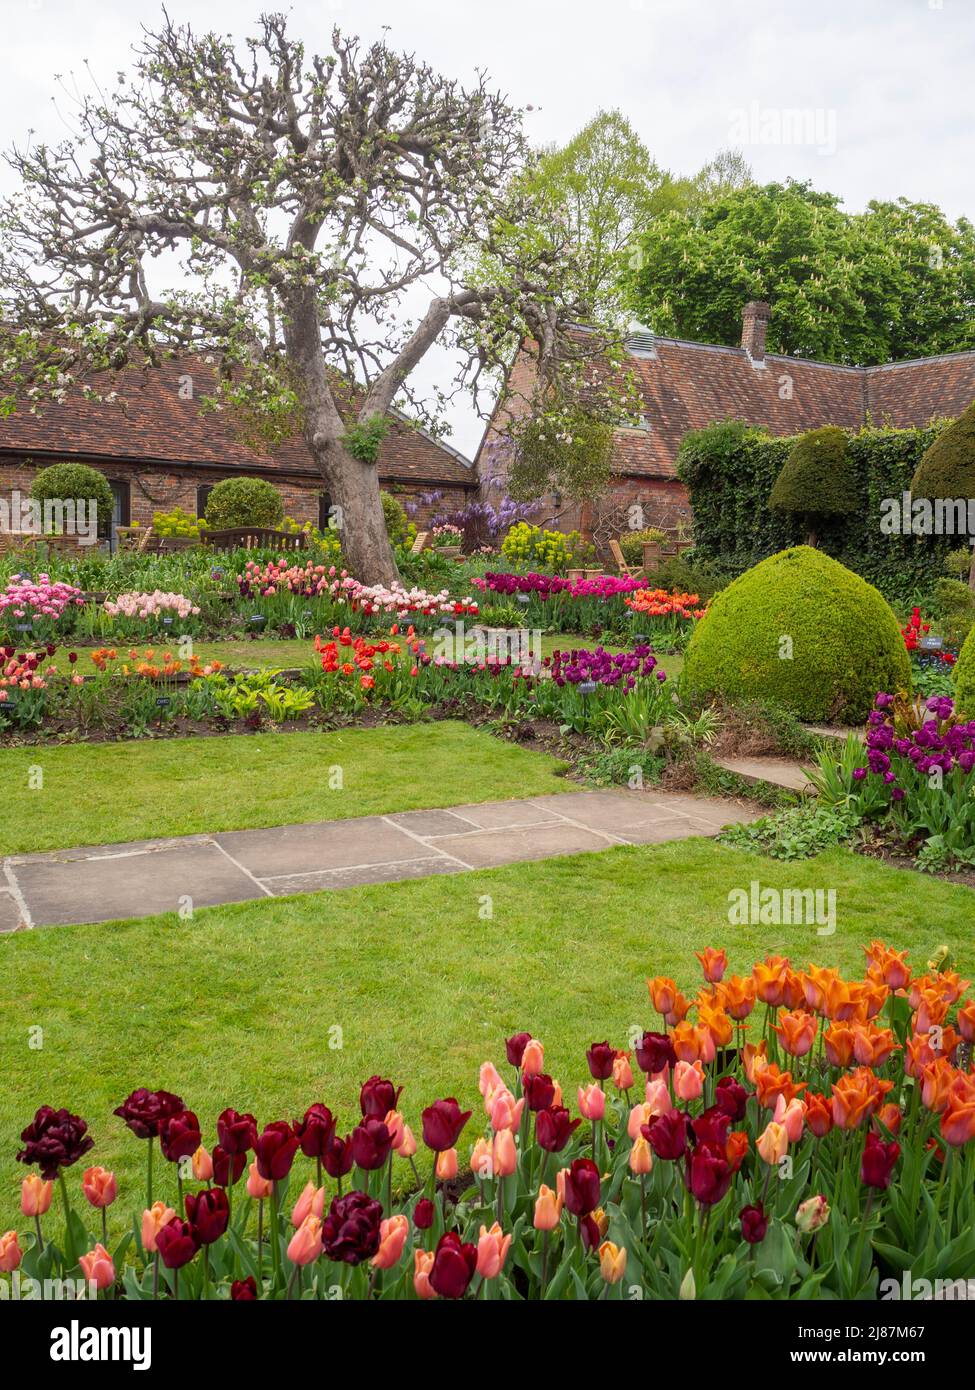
{"x": 74, "y": 482}
{"x": 964, "y": 677}
{"x": 817, "y": 478}
{"x": 803, "y": 631}
{"x": 947, "y": 468}
{"x": 244, "y": 502}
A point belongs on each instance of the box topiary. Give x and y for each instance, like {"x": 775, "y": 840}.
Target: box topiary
{"x": 817, "y": 479}
{"x": 964, "y": 675}
{"x": 76, "y": 482}
{"x": 947, "y": 468}
{"x": 243, "y": 502}
{"x": 802, "y": 630}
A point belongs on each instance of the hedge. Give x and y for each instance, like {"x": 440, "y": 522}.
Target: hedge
{"x": 730, "y": 469}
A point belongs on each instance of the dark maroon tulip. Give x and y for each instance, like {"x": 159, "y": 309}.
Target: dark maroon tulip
{"x": 877, "y": 1164}
{"x": 378, "y": 1097}
{"x": 442, "y": 1124}
{"x": 145, "y": 1111}
{"x": 582, "y": 1187}
{"x": 539, "y": 1091}
{"x": 423, "y": 1214}
{"x": 275, "y": 1151}
{"x": 315, "y": 1131}
{"x": 453, "y": 1266}
{"x": 236, "y": 1132}
{"x": 337, "y": 1159}
{"x": 180, "y": 1136}
{"x": 244, "y": 1290}
{"x": 754, "y": 1224}
{"x": 711, "y": 1127}
{"x": 350, "y": 1231}
{"x": 655, "y": 1051}
{"x": 667, "y": 1134}
{"x": 731, "y": 1097}
{"x": 176, "y": 1243}
{"x": 590, "y": 1233}
{"x": 515, "y": 1048}
{"x": 371, "y": 1143}
{"x": 55, "y": 1139}
{"x": 227, "y": 1168}
{"x": 708, "y": 1174}
{"x": 554, "y": 1128}
{"x": 208, "y": 1213}
{"x": 601, "y": 1057}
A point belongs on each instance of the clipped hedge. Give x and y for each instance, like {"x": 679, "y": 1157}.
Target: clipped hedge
{"x": 965, "y": 678}
{"x": 817, "y": 478}
{"x": 803, "y": 631}
{"x": 730, "y": 469}
{"x": 244, "y": 502}
{"x": 76, "y": 482}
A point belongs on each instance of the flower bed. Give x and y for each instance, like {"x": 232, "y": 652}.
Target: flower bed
{"x": 785, "y": 1134}
{"x": 565, "y": 605}
{"x": 34, "y": 607}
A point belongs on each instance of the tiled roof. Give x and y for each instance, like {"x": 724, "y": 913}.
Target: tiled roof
{"x": 153, "y": 423}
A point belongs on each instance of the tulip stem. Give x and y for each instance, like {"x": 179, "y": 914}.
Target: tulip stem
{"x": 40, "y": 1238}
{"x": 149, "y": 1176}
{"x": 105, "y": 1227}
{"x": 295, "y": 1274}
{"x": 69, "y": 1251}
{"x": 155, "y": 1275}
{"x": 260, "y": 1240}
{"x": 544, "y": 1262}
{"x": 275, "y": 1251}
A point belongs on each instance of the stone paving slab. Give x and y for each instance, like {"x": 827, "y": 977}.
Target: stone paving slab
{"x": 100, "y": 883}
{"x": 778, "y": 772}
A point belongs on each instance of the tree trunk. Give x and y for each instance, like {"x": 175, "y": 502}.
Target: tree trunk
{"x": 353, "y": 487}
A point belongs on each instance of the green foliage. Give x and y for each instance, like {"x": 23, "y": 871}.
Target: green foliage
{"x": 947, "y": 469}
{"x": 896, "y": 281}
{"x": 394, "y": 515}
{"x": 528, "y": 547}
{"x": 363, "y": 440}
{"x": 692, "y": 575}
{"x": 797, "y": 833}
{"x": 965, "y": 678}
{"x": 731, "y": 468}
{"x": 243, "y": 502}
{"x": 76, "y": 482}
{"x": 177, "y": 523}
{"x": 564, "y": 449}
{"x": 817, "y": 477}
{"x": 803, "y": 631}
{"x": 632, "y": 543}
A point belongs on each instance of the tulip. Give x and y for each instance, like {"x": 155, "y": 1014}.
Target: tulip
{"x": 658, "y": 1097}
{"x": 97, "y": 1268}
{"x": 612, "y": 1262}
{"x": 688, "y": 1080}
{"x": 208, "y": 1212}
{"x": 378, "y": 1097}
{"x": 422, "y": 1265}
{"x": 504, "y": 1154}
{"x": 54, "y": 1140}
{"x": 877, "y": 1163}
{"x": 641, "y": 1156}
{"x": 446, "y": 1165}
{"x": 10, "y": 1252}
{"x": 153, "y": 1220}
{"x": 667, "y": 1135}
{"x": 582, "y": 1185}
{"x": 713, "y": 963}
{"x": 176, "y": 1243}
{"x": 371, "y": 1143}
{"x": 592, "y": 1102}
{"x": 227, "y": 1167}
{"x": 257, "y": 1187}
{"x": 773, "y": 1143}
{"x": 791, "y": 1117}
{"x": 492, "y": 1251}
{"x": 654, "y": 1053}
{"x": 179, "y": 1136}
{"x": 145, "y": 1111}
{"x": 337, "y": 1159}
{"x": 515, "y": 1048}
{"x": 454, "y": 1263}
{"x": 797, "y": 1032}
{"x": 315, "y": 1130}
{"x": 35, "y": 1195}
{"x": 489, "y": 1080}
{"x": 622, "y": 1071}
{"x": 392, "y": 1239}
{"x": 244, "y": 1290}
{"x": 890, "y": 1116}
{"x": 275, "y": 1150}
{"x": 310, "y": 1203}
{"x": 754, "y": 1224}
{"x": 600, "y": 1057}
{"x": 554, "y": 1128}
{"x": 812, "y": 1214}
{"x": 306, "y": 1243}
{"x": 958, "y": 1121}
{"x": 819, "y": 1115}
{"x": 505, "y": 1111}
{"x": 539, "y": 1091}
{"x": 532, "y": 1058}
{"x": 236, "y": 1132}
{"x": 350, "y": 1231}
{"x": 423, "y": 1214}
{"x": 708, "y": 1174}
{"x": 202, "y": 1165}
{"x": 442, "y": 1124}
{"x": 731, "y": 1097}
{"x": 548, "y": 1209}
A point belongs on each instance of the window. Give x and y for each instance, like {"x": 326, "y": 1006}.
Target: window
{"x": 121, "y": 503}
{"x": 324, "y": 509}
{"x": 202, "y": 497}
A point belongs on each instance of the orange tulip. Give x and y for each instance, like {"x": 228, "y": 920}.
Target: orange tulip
{"x": 492, "y": 1251}
{"x": 202, "y": 1165}
{"x": 641, "y": 1157}
{"x": 872, "y": 1045}
{"x": 422, "y": 1265}
{"x": 736, "y": 1147}
{"x": 533, "y": 1058}
{"x": 839, "y": 1001}
{"x": 769, "y": 976}
{"x": 958, "y": 1123}
{"x": 392, "y": 1239}
{"x": 718, "y": 1024}
{"x": 407, "y": 1144}
{"x": 936, "y": 1083}
{"x": 771, "y": 1082}
{"x": 738, "y": 996}
{"x": 548, "y": 1209}
{"x": 505, "y": 1111}
{"x": 35, "y": 1195}
{"x": 612, "y": 1262}
{"x": 482, "y": 1160}
{"x": 682, "y": 1007}
{"x": 154, "y": 1218}
{"x": 838, "y": 1042}
{"x": 930, "y": 1012}
{"x": 10, "y": 1252}
{"x": 815, "y": 982}
{"x": 713, "y": 963}
{"x": 98, "y": 1268}
{"x": 856, "y": 1096}
{"x": 663, "y": 994}
{"x": 258, "y": 1187}
{"x": 819, "y": 1115}
{"x": 888, "y": 965}
{"x": 657, "y": 1098}
{"x": 504, "y": 1154}
{"x": 306, "y": 1243}
{"x": 489, "y": 1080}
{"x": 622, "y": 1071}
{"x": 966, "y": 1022}
{"x": 890, "y": 1116}
{"x": 773, "y": 1143}
{"x": 754, "y": 1058}
{"x": 447, "y": 1164}
{"x": 99, "y": 1186}
{"x": 797, "y": 1032}
{"x": 871, "y": 998}
{"x": 793, "y": 994}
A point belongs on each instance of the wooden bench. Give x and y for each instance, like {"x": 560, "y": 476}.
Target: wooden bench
{"x": 254, "y": 538}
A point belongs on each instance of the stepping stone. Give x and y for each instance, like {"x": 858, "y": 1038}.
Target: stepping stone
{"x": 779, "y": 772}
{"x": 284, "y": 850}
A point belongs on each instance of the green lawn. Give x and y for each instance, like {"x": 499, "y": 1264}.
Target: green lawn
{"x": 237, "y": 1006}
{"x": 102, "y": 792}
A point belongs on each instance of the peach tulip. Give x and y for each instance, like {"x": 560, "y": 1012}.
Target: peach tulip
{"x": 310, "y": 1203}
{"x": 99, "y": 1186}
{"x": 504, "y": 1154}
{"x": 492, "y": 1251}
{"x": 489, "y": 1080}
{"x": 202, "y": 1165}
{"x": 640, "y": 1115}
{"x": 394, "y": 1123}
{"x": 773, "y": 1143}
{"x": 612, "y": 1262}
{"x": 688, "y": 1080}
{"x": 533, "y": 1058}
{"x": 10, "y": 1252}
{"x": 641, "y": 1158}
{"x": 407, "y": 1145}
{"x": 258, "y": 1187}
{"x": 97, "y": 1268}
{"x": 447, "y": 1164}
{"x": 482, "y": 1160}
{"x": 592, "y": 1102}
{"x": 548, "y": 1209}
{"x": 154, "y": 1218}
{"x": 35, "y": 1195}
{"x": 422, "y": 1265}
{"x": 622, "y": 1071}
{"x": 306, "y": 1243}
{"x": 392, "y": 1239}
{"x": 791, "y": 1116}
{"x": 658, "y": 1097}
{"x": 505, "y": 1112}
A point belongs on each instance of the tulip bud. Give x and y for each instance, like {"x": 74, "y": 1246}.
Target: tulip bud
{"x": 257, "y": 1187}
{"x": 548, "y": 1209}
{"x": 447, "y": 1164}
{"x": 99, "y": 1186}
{"x": 688, "y": 1288}
{"x": 202, "y": 1165}
{"x": 492, "y": 1250}
{"x": 612, "y": 1262}
{"x": 504, "y": 1154}
{"x": 35, "y": 1195}
{"x": 10, "y": 1252}
{"x": 306, "y": 1243}
{"x": 422, "y": 1265}
{"x": 812, "y": 1214}
{"x": 310, "y": 1203}
{"x": 97, "y": 1268}
{"x": 641, "y": 1157}
{"x": 392, "y": 1238}
{"x": 533, "y": 1058}
{"x": 772, "y": 1143}
{"x": 592, "y": 1102}
{"x": 622, "y": 1072}
{"x": 153, "y": 1220}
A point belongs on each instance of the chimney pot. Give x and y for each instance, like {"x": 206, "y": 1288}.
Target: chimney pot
{"x": 754, "y": 326}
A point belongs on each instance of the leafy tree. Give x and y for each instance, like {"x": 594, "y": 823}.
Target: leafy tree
{"x": 895, "y": 281}
{"x": 296, "y": 199}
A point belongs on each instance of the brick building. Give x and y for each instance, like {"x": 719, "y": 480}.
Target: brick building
{"x": 159, "y": 451}
{"x": 685, "y": 386}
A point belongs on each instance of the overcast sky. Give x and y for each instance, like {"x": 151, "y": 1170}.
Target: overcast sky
{"x": 887, "y": 84}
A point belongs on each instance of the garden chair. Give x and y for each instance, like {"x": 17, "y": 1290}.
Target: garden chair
{"x": 421, "y": 539}
{"x": 627, "y": 571}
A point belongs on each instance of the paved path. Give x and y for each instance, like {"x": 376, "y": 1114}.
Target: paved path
{"x": 778, "y": 772}
{"x": 104, "y": 882}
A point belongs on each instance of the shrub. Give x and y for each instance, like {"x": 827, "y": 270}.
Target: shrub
{"x": 804, "y": 631}
{"x": 74, "y": 482}
{"x": 817, "y": 478}
{"x": 965, "y": 678}
{"x": 632, "y": 543}
{"x": 530, "y": 547}
{"x": 948, "y": 466}
{"x": 177, "y": 523}
{"x": 394, "y": 514}
{"x": 243, "y": 502}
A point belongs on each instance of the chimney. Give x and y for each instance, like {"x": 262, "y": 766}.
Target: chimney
{"x": 754, "y": 325}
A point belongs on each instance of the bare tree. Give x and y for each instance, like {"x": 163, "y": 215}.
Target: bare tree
{"x": 294, "y": 203}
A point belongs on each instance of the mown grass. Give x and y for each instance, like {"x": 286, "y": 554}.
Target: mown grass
{"x": 98, "y": 793}
{"x": 240, "y": 1006}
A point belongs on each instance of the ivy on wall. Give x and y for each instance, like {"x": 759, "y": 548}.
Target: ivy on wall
{"x": 730, "y": 468}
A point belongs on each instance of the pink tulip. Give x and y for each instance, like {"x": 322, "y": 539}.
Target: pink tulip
{"x": 99, "y": 1186}
{"x": 258, "y": 1187}
{"x": 310, "y": 1203}
{"x": 658, "y": 1096}
{"x": 504, "y": 1154}
{"x": 505, "y": 1112}
{"x": 392, "y": 1238}
{"x": 98, "y": 1268}
{"x": 202, "y": 1165}
{"x": 489, "y": 1080}
{"x": 792, "y": 1117}
{"x": 492, "y": 1251}
{"x": 533, "y": 1058}
{"x": 688, "y": 1080}
{"x": 640, "y": 1115}
{"x": 592, "y": 1102}
{"x": 394, "y": 1123}
{"x": 306, "y": 1243}
{"x": 10, "y": 1252}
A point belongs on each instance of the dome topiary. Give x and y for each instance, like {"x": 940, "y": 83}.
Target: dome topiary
{"x": 964, "y": 675}
{"x": 801, "y": 630}
{"x": 947, "y": 468}
{"x": 76, "y": 482}
{"x": 244, "y": 502}
{"x": 817, "y": 478}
